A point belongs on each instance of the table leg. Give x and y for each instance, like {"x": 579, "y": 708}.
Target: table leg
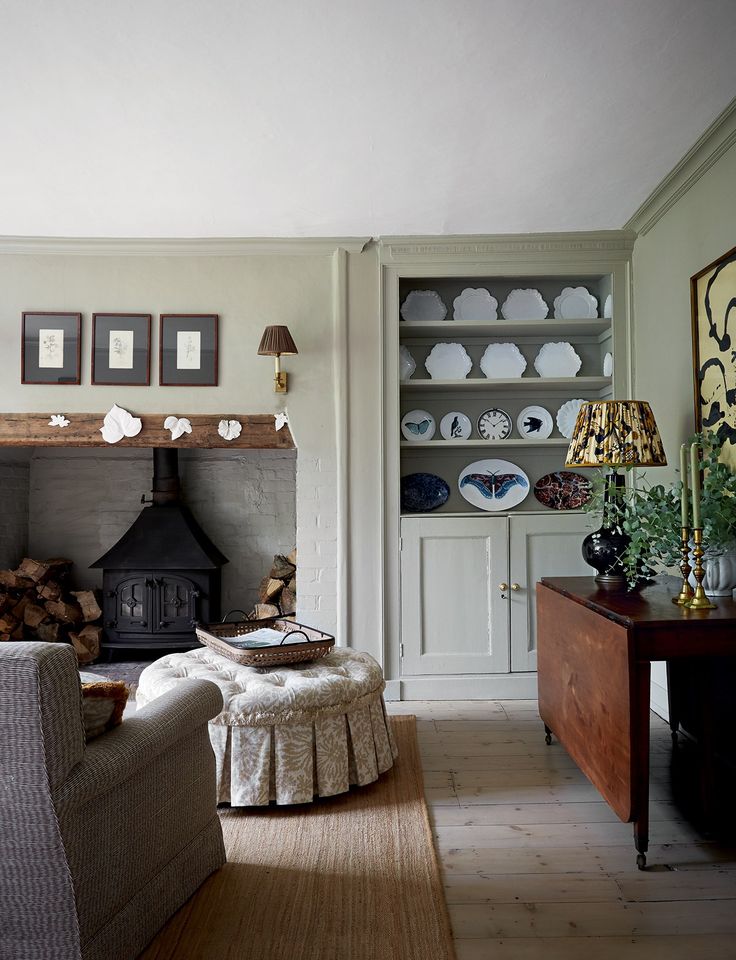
{"x": 547, "y": 735}
{"x": 640, "y": 759}
{"x": 672, "y": 700}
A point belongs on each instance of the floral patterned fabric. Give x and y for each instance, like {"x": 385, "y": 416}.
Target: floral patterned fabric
{"x": 288, "y": 733}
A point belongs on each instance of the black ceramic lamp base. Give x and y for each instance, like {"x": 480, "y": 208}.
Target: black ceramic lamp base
{"x": 604, "y": 548}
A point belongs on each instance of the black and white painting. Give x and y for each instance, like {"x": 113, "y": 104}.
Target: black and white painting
{"x": 50, "y": 351}
{"x": 713, "y": 294}
{"x": 121, "y": 349}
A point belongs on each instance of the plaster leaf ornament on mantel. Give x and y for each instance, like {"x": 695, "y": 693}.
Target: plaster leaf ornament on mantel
{"x": 118, "y": 423}
{"x": 178, "y": 426}
{"x": 230, "y": 429}
{"x": 281, "y": 420}
{"x": 58, "y": 420}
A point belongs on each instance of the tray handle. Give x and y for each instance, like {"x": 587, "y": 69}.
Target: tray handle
{"x": 291, "y": 634}
{"x": 231, "y": 612}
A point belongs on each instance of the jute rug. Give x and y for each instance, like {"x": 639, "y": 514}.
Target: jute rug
{"x": 353, "y": 877}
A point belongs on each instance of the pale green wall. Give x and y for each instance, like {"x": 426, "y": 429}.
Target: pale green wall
{"x": 694, "y": 232}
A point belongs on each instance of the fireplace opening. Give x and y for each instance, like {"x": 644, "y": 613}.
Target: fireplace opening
{"x": 163, "y": 574}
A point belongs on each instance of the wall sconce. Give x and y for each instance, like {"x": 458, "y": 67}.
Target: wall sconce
{"x": 277, "y": 342}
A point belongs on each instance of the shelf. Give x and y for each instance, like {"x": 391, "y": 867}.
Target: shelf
{"x": 502, "y": 328}
{"x": 462, "y": 444}
{"x": 493, "y": 513}
{"x": 521, "y": 385}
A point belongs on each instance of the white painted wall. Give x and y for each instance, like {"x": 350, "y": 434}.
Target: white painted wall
{"x": 693, "y": 232}
{"x": 302, "y": 285}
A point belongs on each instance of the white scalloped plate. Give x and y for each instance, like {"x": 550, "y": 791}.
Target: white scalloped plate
{"x": 407, "y": 363}
{"x": 557, "y": 360}
{"x": 448, "y": 361}
{"x": 503, "y": 361}
{"x": 608, "y": 307}
{"x": 423, "y": 306}
{"x": 566, "y": 417}
{"x": 526, "y": 304}
{"x": 576, "y": 303}
{"x": 475, "y": 305}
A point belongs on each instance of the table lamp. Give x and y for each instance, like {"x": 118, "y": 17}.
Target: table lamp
{"x": 613, "y": 433}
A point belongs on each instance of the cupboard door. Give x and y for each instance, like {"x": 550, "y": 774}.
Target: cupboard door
{"x": 540, "y": 546}
{"x": 454, "y": 617}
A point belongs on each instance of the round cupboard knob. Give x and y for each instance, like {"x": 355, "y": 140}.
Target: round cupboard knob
{"x": 503, "y": 587}
{"x": 515, "y": 586}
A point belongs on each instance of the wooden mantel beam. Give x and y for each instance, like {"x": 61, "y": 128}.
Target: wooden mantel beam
{"x": 33, "y": 430}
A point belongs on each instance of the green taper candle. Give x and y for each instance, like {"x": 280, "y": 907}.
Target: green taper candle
{"x": 683, "y": 496}
{"x": 695, "y": 481}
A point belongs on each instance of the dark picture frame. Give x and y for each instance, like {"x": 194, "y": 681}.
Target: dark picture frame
{"x": 51, "y": 347}
{"x": 121, "y": 349}
{"x": 188, "y": 351}
{"x": 713, "y": 307}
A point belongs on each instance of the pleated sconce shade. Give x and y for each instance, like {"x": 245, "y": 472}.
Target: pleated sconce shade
{"x": 277, "y": 341}
{"x": 616, "y": 433}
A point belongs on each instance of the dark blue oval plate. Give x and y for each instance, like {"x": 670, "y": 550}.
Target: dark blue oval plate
{"x": 422, "y": 492}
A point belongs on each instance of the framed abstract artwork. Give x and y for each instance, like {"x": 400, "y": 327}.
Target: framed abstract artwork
{"x": 121, "y": 349}
{"x": 713, "y": 301}
{"x": 50, "y": 347}
{"x": 188, "y": 350}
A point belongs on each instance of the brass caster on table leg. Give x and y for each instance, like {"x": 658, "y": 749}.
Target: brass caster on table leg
{"x": 641, "y": 861}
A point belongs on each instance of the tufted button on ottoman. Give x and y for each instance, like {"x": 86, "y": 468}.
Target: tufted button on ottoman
{"x": 288, "y": 733}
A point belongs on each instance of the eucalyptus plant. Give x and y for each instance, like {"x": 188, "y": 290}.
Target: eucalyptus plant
{"x": 649, "y": 514}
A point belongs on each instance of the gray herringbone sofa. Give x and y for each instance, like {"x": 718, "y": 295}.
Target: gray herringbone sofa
{"x": 99, "y": 845}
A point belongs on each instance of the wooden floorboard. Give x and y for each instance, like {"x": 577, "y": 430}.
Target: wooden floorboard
{"x": 536, "y": 865}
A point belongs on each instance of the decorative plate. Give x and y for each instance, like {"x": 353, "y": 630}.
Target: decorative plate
{"x": 576, "y": 303}
{"x": 503, "y": 361}
{"x": 567, "y": 415}
{"x": 525, "y": 305}
{"x": 557, "y": 360}
{"x": 493, "y": 484}
{"x": 535, "y": 423}
{"x": 608, "y": 307}
{"x": 423, "y": 306}
{"x": 417, "y": 425}
{"x": 455, "y": 426}
{"x": 475, "y": 305}
{"x": 448, "y": 361}
{"x": 563, "y": 490}
{"x": 407, "y": 363}
{"x": 494, "y": 424}
{"x": 608, "y": 365}
{"x": 422, "y": 492}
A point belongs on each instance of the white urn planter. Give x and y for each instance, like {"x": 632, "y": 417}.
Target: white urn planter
{"x": 720, "y": 572}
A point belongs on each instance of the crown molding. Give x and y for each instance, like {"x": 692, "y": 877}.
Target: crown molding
{"x": 717, "y": 140}
{"x": 195, "y": 247}
{"x": 598, "y": 244}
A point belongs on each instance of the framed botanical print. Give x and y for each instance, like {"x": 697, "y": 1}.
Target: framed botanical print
{"x": 50, "y": 347}
{"x": 188, "y": 350}
{"x": 713, "y": 300}
{"x": 121, "y": 349}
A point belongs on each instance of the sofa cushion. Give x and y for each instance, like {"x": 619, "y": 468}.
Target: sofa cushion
{"x": 103, "y": 703}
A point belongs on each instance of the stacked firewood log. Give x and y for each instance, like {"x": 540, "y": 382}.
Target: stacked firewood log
{"x": 37, "y": 604}
{"x": 277, "y": 592}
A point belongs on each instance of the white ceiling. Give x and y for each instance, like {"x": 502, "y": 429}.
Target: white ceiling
{"x": 176, "y": 118}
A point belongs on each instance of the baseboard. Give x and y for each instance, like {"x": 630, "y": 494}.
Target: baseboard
{"x": 658, "y": 700}
{"x": 506, "y": 686}
{"x": 393, "y": 690}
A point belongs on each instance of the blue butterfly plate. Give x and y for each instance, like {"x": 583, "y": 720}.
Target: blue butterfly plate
{"x": 494, "y": 484}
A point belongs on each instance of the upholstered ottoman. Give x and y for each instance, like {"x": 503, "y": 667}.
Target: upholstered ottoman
{"x": 288, "y": 733}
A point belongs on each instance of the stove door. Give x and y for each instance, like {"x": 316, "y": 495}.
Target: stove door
{"x": 132, "y": 599}
{"x": 177, "y": 604}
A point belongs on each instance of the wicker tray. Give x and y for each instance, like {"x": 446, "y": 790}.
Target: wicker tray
{"x": 316, "y": 643}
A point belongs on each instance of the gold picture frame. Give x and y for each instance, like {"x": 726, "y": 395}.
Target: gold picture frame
{"x": 713, "y": 304}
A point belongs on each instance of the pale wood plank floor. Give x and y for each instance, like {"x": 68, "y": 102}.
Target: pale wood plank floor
{"x": 536, "y": 865}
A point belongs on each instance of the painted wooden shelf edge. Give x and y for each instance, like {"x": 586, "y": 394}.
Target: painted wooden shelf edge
{"x": 32, "y": 430}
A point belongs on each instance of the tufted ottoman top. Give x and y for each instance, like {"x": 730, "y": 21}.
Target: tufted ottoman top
{"x": 261, "y": 696}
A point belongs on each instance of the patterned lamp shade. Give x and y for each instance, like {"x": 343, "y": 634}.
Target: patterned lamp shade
{"x": 277, "y": 341}
{"x": 615, "y": 433}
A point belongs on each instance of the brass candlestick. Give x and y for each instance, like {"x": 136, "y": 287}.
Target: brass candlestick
{"x": 686, "y": 591}
{"x": 699, "y": 601}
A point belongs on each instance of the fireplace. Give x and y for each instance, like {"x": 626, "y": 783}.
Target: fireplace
{"x": 163, "y": 575}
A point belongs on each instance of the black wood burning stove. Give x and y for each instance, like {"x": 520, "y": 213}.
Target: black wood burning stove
{"x": 163, "y": 575}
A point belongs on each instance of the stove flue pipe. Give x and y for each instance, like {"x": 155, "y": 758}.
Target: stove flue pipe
{"x": 166, "y": 487}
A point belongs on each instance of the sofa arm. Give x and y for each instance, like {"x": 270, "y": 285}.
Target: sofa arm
{"x": 122, "y": 753}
